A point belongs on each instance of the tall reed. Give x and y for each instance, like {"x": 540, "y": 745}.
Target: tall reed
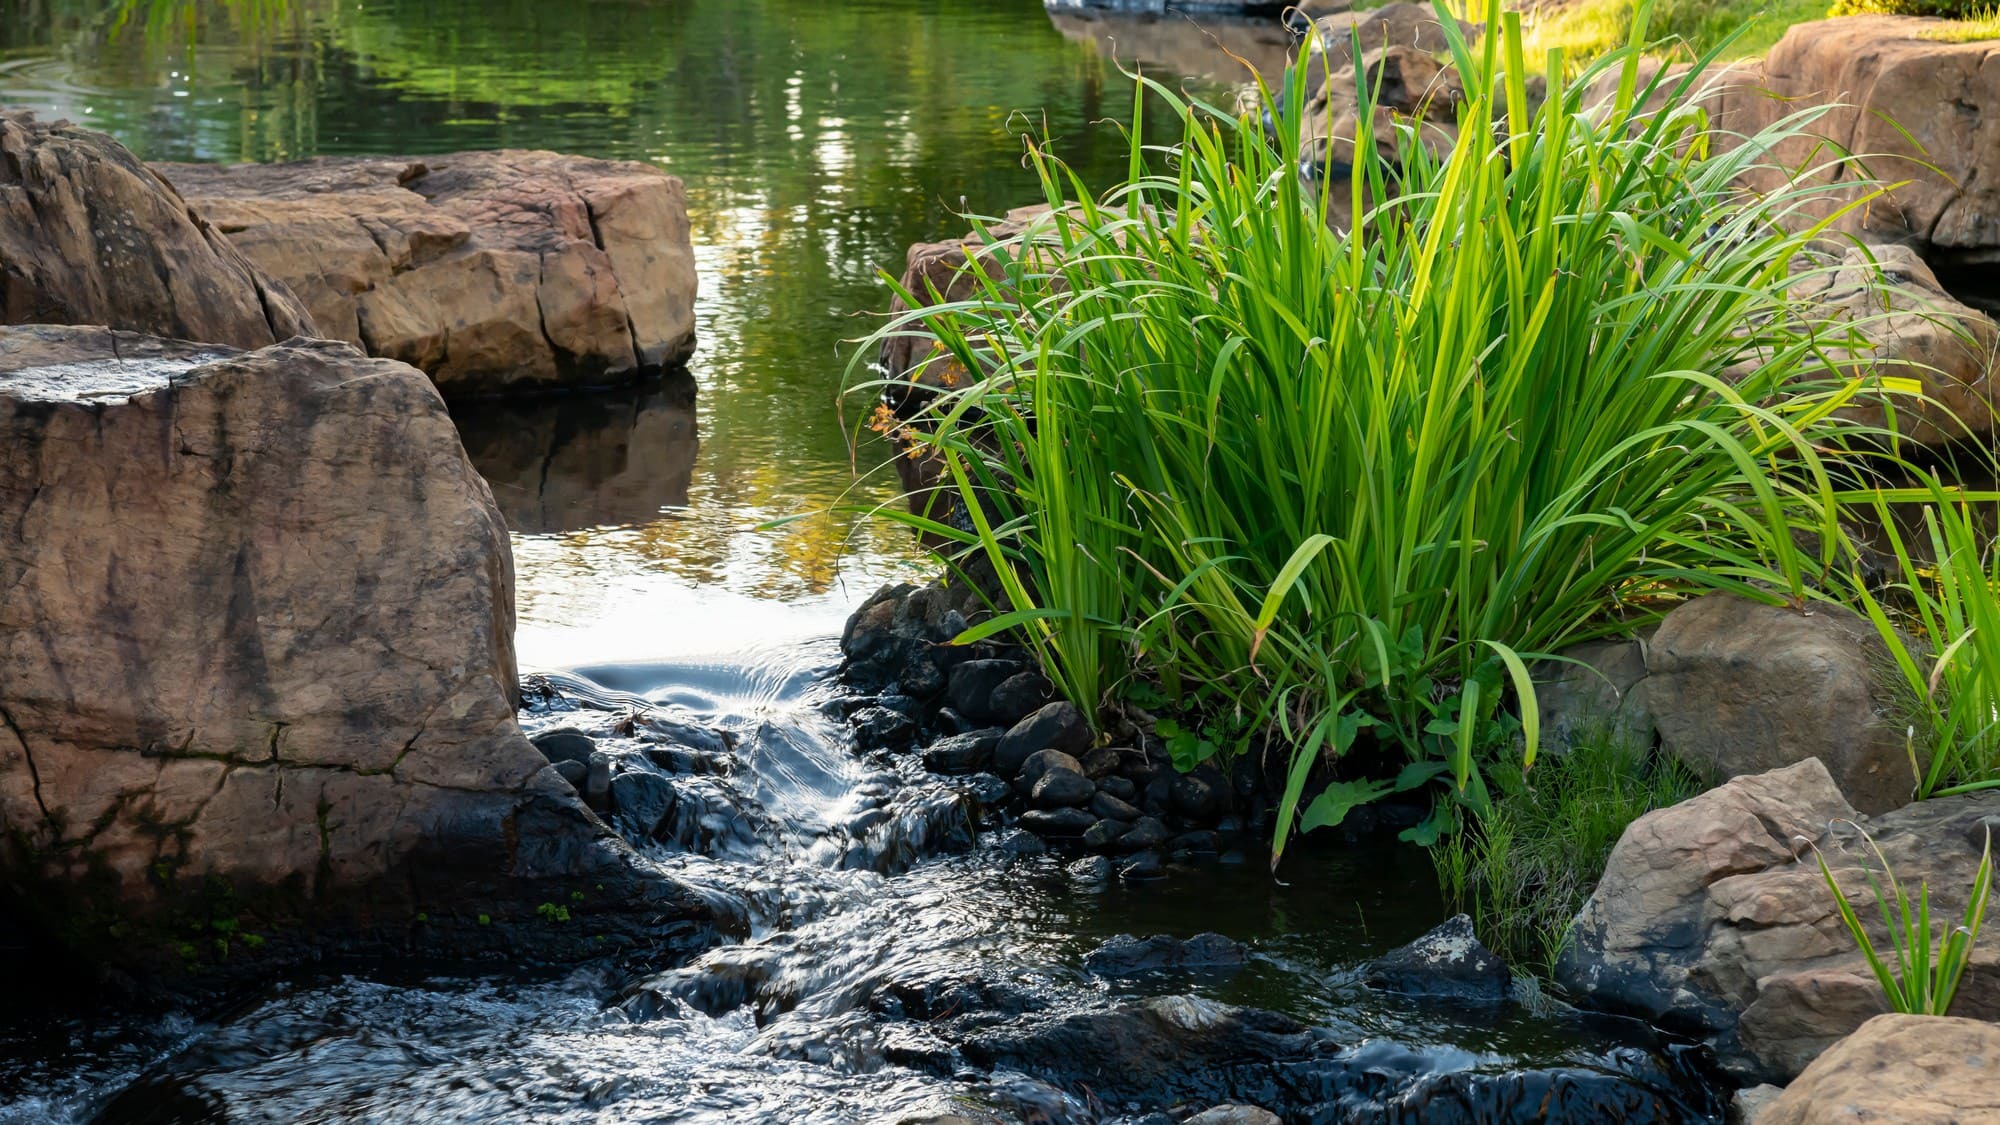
{"x": 1334, "y": 483}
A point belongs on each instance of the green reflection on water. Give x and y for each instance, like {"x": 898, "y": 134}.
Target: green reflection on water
{"x": 817, "y": 139}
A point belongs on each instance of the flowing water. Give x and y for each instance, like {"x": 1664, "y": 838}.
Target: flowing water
{"x": 903, "y": 955}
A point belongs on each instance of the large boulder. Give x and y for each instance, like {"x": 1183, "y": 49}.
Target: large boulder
{"x": 1712, "y": 918}
{"x": 1919, "y": 1070}
{"x": 257, "y": 671}
{"x": 89, "y": 235}
{"x": 1230, "y": 50}
{"x": 492, "y": 271}
{"x": 1740, "y": 687}
{"x": 1921, "y": 113}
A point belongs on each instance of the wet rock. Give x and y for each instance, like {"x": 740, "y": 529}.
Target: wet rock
{"x": 972, "y": 686}
{"x": 987, "y": 789}
{"x": 1899, "y": 1068}
{"x": 1119, "y": 787}
{"x": 88, "y": 235}
{"x": 1102, "y": 835}
{"x": 1025, "y": 840}
{"x": 1142, "y": 867}
{"x": 491, "y": 271}
{"x": 1057, "y": 824}
{"x": 1448, "y": 963}
{"x": 322, "y": 581}
{"x": 1062, "y": 788}
{"x": 882, "y": 728}
{"x": 1738, "y": 687}
{"x": 1235, "y": 1115}
{"x": 1197, "y": 798}
{"x": 597, "y": 781}
{"x": 1041, "y": 762}
{"x": 642, "y": 799}
{"x": 1146, "y": 832}
{"x": 1110, "y": 807}
{"x": 573, "y": 772}
{"x": 1125, "y": 955}
{"x": 1156, "y": 799}
{"x": 1196, "y": 843}
{"x": 962, "y": 753}
{"x": 565, "y": 745}
{"x": 1712, "y": 918}
{"x": 1018, "y": 695}
{"x": 1099, "y": 763}
{"x": 1091, "y": 869}
{"x": 1057, "y": 726}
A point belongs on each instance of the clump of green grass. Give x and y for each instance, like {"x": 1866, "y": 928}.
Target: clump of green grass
{"x": 1731, "y": 29}
{"x": 1940, "y": 621}
{"x": 1524, "y": 869}
{"x": 1947, "y": 9}
{"x": 1928, "y": 965}
{"x": 1331, "y": 484}
{"x": 1970, "y": 28}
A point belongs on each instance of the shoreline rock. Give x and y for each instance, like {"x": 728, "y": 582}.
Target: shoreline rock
{"x": 89, "y": 235}
{"x": 494, "y": 272}
{"x": 257, "y": 672}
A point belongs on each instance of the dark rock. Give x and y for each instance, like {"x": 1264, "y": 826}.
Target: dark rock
{"x": 987, "y": 789}
{"x": 1146, "y": 832}
{"x": 962, "y": 753}
{"x": 1020, "y": 842}
{"x": 1058, "y": 726}
{"x": 643, "y": 798}
{"x": 1197, "y": 843}
{"x": 972, "y": 685}
{"x": 1125, "y": 955}
{"x": 1091, "y": 869}
{"x": 1141, "y": 867}
{"x": 1041, "y": 762}
{"x": 922, "y": 678}
{"x": 898, "y": 702}
{"x": 1448, "y": 963}
{"x": 1119, "y": 787}
{"x": 879, "y": 727}
{"x": 1018, "y": 695}
{"x": 1197, "y": 798}
{"x": 565, "y": 745}
{"x": 1155, "y": 799}
{"x": 1105, "y": 805}
{"x": 951, "y": 722}
{"x": 597, "y": 782}
{"x": 1100, "y": 763}
{"x": 1062, "y": 788}
{"x": 573, "y": 772}
{"x": 1102, "y": 835}
{"x": 1057, "y": 824}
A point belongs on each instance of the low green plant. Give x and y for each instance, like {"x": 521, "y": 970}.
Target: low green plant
{"x": 1941, "y": 626}
{"x": 1328, "y": 483}
{"x": 1525, "y": 868}
{"x": 1928, "y": 967}
{"x": 1971, "y": 28}
{"x": 1947, "y": 9}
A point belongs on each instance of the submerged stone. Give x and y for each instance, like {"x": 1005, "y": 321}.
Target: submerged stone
{"x": 1448, "y": 963}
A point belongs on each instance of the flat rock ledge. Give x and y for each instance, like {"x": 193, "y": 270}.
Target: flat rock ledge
{"x": 89, "y": 235}
{"x": 494, "y": 272}
{"x": 257, "y": 676}
{"x": 1712, "y": 919}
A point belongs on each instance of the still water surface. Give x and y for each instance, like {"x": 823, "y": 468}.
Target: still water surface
{"x": 817, "y": 139}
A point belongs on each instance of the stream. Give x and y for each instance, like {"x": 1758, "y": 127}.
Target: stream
{"x": 906, "y": 956}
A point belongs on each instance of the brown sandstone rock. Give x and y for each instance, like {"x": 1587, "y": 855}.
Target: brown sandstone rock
{"x": 492, "y": 271}
{"x": 256, "y": 656}
{"x": 1738, "y": 687}
{"x": 1918, "y": 1070}
{"x": 1712, "y": 918}
{"x": 89, "y": 235}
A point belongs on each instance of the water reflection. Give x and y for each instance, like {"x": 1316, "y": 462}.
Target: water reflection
{"x": 1213, "y": 47}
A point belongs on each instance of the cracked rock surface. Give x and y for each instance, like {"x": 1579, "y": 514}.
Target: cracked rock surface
{"x": 256, "y": 641}
{"x": 89, "y": 235}
{"x": 495, "y": 272}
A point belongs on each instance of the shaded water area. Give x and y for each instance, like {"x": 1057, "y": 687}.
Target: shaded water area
{"x": 900, "y": 953}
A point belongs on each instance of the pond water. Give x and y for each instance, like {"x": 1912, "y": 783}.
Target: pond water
{"x": 817, "y": 139}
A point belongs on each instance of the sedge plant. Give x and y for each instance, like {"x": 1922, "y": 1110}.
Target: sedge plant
{"x": 1928, "y": 967}
{"x": 1339, "y": 480}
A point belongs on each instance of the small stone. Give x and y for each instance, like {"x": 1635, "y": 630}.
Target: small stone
{"x": 597, "y": 782}
{"x": 1062, "y": 788}
{"x": 898, "y": 702}
{"x": 1196, "y": 843}
{"x": 1018, "y": 695}
{"x": 1119, "y": 787}
{"x": 1235, "y": 1115}
{"x": 922, "y": 678}
{"x": 1146, "y": 832}
{"x": 1057, "y": 824}
{"x": 1100, "y": 763}
{"x": 1100, "y": 836}
{"x": 1448, "y": 963}
{"x": 1195, "y": 798}
{"x": 962, "y": 753}
{"x": 565, "y": 745}
{"x": 1058, "y": 726}
{"x": 951, "y": 722}
{"x": 1105, "y": 805}
{"x": 972, "y": 684}
{"x": 1091, "y": 869}
{"x": 1041, "y": 762}
{"x": 1155, "y": 800}
{"x": 643, "y": 799}
{"x": 1125, "y": 955}
{"x": 1144, "y": 866}
{"x": 573, "y": 772}
{"x": 1020, "y": 843}
{"x": 988, "y": 790}
{"x": 881, "y": 727}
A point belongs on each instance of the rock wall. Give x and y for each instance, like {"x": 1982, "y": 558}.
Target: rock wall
{"x": 495, "y": 272}
{"x": 256, "y": 661}
{"x": 89, "y": 235}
